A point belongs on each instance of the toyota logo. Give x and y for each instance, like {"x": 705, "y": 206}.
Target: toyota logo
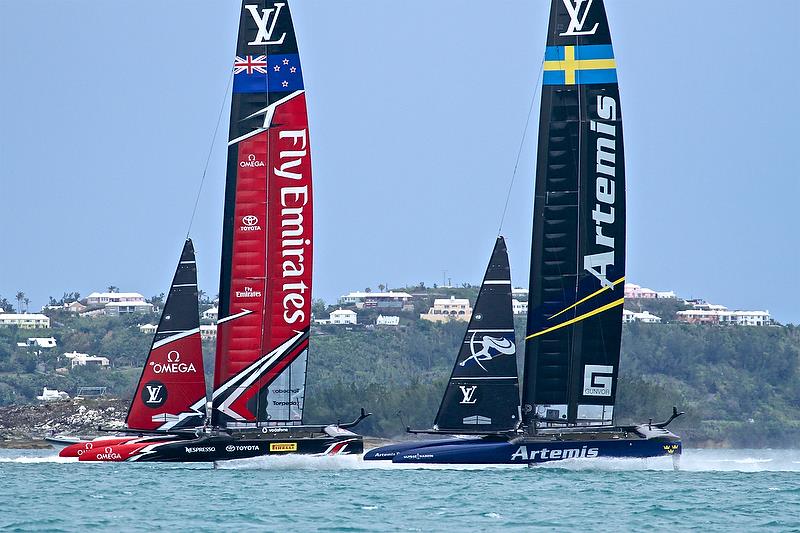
{"x": 230, "y": 448}
{"x": 250, "y": 220}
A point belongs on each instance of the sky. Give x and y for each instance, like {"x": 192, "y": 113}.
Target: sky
{"x": 417, "y": 112}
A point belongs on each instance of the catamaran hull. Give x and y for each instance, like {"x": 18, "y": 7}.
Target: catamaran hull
{"x": 524, "y": 451}
{"x": 387, "y": 453}
{"x": 220, "y": 448}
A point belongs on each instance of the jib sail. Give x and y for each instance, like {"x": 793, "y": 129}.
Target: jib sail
{"x": 483, "y": 391}
{"x": 265, "y": 286}
{"x": 171, "y": 392}
{"x": 578, "y": 252}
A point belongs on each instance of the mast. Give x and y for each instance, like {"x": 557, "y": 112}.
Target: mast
{"x": 578, "y": 250}
{"x": 171, "y": 392}
{"x": 265, "y": 284}
{"x": 483, "y": 391}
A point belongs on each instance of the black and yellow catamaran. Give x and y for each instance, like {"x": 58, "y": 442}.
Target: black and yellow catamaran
{"x": 572, "y": 345}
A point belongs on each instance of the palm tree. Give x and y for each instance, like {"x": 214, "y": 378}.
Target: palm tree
{"x": 112, "y": 288}
{"x": 381, "y": 287}
{"x": 20, "y": 297}
{"x": 27, "y": 301}
{"x": 202, "y": 296}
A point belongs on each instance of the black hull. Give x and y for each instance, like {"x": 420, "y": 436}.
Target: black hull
{"x": 223, "y": 448}
{"x": 546, "y": 446}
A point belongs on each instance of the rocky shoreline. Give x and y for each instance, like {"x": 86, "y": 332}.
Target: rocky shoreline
{"x": 24, "y": 426}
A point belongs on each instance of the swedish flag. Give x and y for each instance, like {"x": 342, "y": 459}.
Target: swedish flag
{"x": 579, "y": 65}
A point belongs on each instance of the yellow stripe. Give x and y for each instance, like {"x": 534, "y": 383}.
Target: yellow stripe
{"x": 578, "y": 318}
{"x": 595, "y": 293}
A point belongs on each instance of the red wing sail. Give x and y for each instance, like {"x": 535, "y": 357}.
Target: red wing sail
{"x": 172, "y": 389}
{"x": 265, "y": 286}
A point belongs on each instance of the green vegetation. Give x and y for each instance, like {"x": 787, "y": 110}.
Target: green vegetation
{"x": 740, "y": 386}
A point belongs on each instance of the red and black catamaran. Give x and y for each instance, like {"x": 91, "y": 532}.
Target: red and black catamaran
{"x": 265, "y": 285}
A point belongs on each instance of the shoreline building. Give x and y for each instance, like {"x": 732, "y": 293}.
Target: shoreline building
{"x": 378, "y": 300}
{"x": 208, "y": 332}
{"x": 387, "y": 320}
{"x": 633, "y": 291}
{"x": 629, "y": 317}
{"x": 445, "y": 309}
{"x": 723, "y": 316}
{"x": 38, "y": 342}
{"x": 340, "y": 317}
{"x": 102, "y": 298}
{"x": 84, "y": 359}
{"x": 25, "y": 320}
{"x": 519, "y": 307}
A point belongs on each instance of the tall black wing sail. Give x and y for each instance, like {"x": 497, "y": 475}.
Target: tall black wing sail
{"x": 483, "y": 391}
{"x": 578, "y": 252}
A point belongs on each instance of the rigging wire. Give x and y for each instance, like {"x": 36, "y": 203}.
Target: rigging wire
{"x": 210, "y": 151}
{"x": 536, "y": 92}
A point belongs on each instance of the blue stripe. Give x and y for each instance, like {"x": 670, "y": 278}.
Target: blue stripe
{"x": 587, "y": 77}
{"x": 554, "y": 53}
{"x": 250, "y": 83}
{"x": 594, "y": 51}
{"x": 554, "y": 77}
{"x": 591, "y": 51}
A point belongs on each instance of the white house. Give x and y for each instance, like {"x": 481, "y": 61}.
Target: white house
{"x": 148, "y": 329}
{"x": 646, "y": 317}
{"x": 343, "y": 316}
{"x": 84, "y": 359}
{"x": 70, "y": 307}
{"x": 38, "y": 342}
{"x": 717, "y": 316}
{"x": 387, "y": 320}
{"x": 208, "y": 331}
{"x": 102, "y": 298}
{"x": 52, "y": 395}
{"x": 520, "y": 308}
{"x": 634, "y": 291}
{"x": 445, "y": 309}
{"x": 212, "y": 313}
{"x": 519, "y": 291}
{"x": 25, "y": 320}
{"x": 377, "y": 300}
{"x": 704, "y": 306}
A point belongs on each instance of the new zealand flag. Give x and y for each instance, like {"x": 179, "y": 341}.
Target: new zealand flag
{"x": 274, "y": 73}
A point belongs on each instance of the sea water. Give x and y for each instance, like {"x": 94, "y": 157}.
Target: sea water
{"x": 715, "y": 490}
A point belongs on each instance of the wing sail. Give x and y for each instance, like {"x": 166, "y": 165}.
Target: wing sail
{"x": 578, "y": 251}
{"x": 265, "y": 286}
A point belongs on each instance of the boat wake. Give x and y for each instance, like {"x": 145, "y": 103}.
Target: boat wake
{"x": 691, "y": 461}
{"x": 31, "y": 459}
{"x": 343, "y": 462}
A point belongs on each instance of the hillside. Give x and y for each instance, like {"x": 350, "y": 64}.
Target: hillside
{"x": 740, "y": 386}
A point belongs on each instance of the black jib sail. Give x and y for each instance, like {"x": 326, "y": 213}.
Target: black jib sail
{"x": 578, "y": 252}
{"x": 171, "y": 392}
{"x": 483, "y": 392}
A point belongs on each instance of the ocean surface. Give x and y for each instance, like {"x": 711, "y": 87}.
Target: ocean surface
{"x": 715, "y": 490}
